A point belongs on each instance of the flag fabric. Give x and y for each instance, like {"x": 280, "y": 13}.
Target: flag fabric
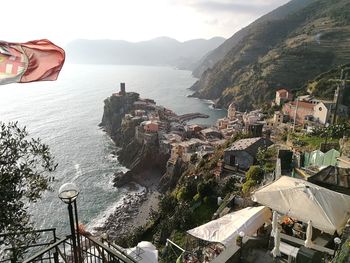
{"x": 31, "y": 61}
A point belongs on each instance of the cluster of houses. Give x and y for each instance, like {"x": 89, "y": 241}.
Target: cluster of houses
{"x": 307, "y": 109}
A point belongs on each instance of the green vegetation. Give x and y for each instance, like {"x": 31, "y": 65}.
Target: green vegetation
{"x": 324, "y": 85}
{"x": 253, "y": 177}
{"x": 266, "y": 158}
{"x": 309, "y": 142}
{"x": 24, "y": 164}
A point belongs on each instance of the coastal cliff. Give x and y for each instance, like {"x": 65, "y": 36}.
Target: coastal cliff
{"x": 137, "y": 151}
{"x": 114, "y": 111}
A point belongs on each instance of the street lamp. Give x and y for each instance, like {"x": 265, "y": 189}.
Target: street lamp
{"x": 337, "y": 242}
{"x": 68, "y": 193}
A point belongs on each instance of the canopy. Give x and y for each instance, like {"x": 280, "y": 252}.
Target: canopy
{"x": 144, "y": 252}
{"x": 328, "y": 210}
{"x": 225, "y": 229}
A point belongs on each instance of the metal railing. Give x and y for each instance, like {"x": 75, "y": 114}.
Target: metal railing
{"x": 89, "y": 250}
{"x": 44, "y": 238}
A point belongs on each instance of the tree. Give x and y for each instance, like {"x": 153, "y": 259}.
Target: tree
{"x": 24, "y": 166}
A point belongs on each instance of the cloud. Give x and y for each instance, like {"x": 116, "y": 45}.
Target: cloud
{"x": 252, "y": 7}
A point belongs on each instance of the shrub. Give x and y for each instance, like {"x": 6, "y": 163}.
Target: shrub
{"x": 248, "y": 186}
{"x": 255, "y": 173}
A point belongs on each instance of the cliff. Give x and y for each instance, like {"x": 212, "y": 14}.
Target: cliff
{"x": 286, "y": 48}
{"x": 115, "y": 108}
{"x": 138, "y": 151}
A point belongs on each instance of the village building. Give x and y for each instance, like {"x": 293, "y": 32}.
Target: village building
{"x": 322, "y": 112}
{"x": 140, "y": 113}
{"x": 150, "y": 126}
{"x": 186, "y": 149}
{"x": 255, "y": 129}
{"x": 211, "y": 133}
{"x": 167, "y": 141}
{"x": 283, "y": 96}
{"x": 217, "y": 143}
{"x": 252, "y": 117}
{"x": 177, "y": 127}
{"x": 242, "y": 153}
{"x": 193, "y": 128}
{"x": 227, "y": 133}
{"x": 278, "y": 118}
{"x": 298, "y": 110}
{"x": 222, "y": 123}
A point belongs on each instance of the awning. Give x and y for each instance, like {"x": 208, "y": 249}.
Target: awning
{"x": 328, "y": 210}
{"x": 225, "y": 229}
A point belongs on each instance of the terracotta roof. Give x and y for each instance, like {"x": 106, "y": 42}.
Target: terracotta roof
{"x": 303, "y": 104}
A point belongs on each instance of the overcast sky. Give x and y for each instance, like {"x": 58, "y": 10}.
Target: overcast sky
{"x": 134, "y": 20}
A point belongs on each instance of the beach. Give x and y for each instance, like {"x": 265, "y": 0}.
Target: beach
{"x": 134, "y": 209}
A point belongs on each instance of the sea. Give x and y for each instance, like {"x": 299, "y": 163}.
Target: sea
{"x": 65, "y": 114}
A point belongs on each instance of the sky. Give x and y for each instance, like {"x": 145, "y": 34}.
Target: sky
{"x": 62, "y": 21}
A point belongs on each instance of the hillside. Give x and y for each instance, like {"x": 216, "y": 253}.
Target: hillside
{"x": 219, "y": 53}
{"x": 324, "y": 85}
{"x": 285, "y": 48}
{"x": 158, "y": 51}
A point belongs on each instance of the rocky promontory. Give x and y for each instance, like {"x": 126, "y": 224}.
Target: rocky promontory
{"x": 139, "y": 128}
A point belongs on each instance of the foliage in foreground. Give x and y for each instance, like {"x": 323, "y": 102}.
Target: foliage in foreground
{"x": 24, "y": 163}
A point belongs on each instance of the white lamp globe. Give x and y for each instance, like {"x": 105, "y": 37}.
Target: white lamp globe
{"x": 68, "y": 192}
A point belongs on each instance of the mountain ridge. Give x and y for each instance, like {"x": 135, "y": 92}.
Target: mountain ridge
{"x": 158, "y": 51}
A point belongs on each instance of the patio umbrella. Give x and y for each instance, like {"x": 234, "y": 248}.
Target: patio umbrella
{"x": 297, "y": 198}
{"x": 308, "y": 241}
{"x": 276, "y": 250}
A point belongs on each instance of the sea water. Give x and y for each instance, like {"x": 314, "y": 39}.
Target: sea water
{"x": 65, "y": 114}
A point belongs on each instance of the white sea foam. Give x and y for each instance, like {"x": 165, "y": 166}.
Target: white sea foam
{"x": 78, "y": 172}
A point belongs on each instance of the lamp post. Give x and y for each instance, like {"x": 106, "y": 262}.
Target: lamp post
{"x": 337, "y": 242}
{"x": 68, "y": 193}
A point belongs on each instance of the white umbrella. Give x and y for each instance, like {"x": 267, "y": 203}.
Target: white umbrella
{"x": 274, "y": 223}
{"x": 296, "y": 198}
{"x": 276, "y": 250}
{"x": 308, "y": 241}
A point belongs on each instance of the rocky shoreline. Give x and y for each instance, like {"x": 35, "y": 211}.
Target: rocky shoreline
{"x": 134, "y": 208}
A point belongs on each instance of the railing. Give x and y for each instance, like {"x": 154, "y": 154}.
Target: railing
{"x": 89, "y": 250}
{"x": 44, "y": 237}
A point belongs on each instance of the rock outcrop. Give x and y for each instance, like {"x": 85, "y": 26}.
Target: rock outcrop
{"x": 136, "y": 154}
{"x": 115, "y": 108}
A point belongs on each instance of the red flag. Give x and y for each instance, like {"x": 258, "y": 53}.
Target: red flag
{"x": 32, "y": 61}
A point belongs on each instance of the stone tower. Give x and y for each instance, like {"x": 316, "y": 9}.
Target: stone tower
{"x": 122, "y": 89}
